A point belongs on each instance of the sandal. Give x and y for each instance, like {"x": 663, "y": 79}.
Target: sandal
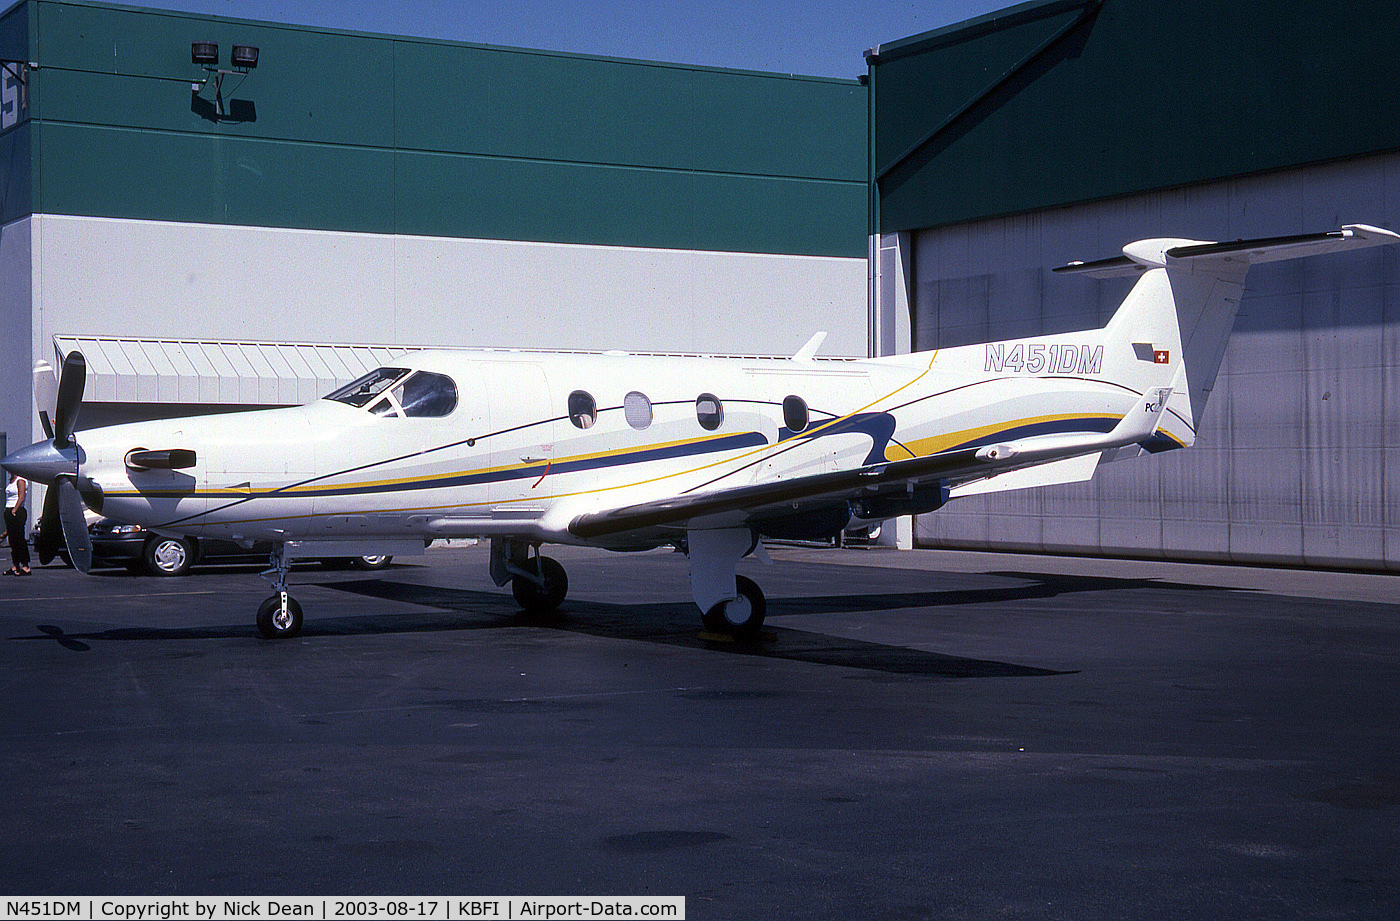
{"x": 13, "y": 571}
{"x": 25, "y": 572}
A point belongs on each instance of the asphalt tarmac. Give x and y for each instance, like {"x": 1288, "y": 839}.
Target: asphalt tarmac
{"x": 923, "y": 735}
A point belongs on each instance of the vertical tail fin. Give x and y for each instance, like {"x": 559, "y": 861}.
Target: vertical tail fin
{"x": 1181, "y": 311}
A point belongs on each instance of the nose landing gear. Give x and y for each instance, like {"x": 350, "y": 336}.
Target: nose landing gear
{"x": 279, "y": 617}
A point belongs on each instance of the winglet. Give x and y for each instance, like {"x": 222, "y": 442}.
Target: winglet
{"x": 808, "y": 351}
{"x": 1136, "y": 427}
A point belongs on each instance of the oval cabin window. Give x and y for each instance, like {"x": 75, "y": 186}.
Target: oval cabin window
{"x": 795, "y": 413}
{"x": 637, "y": 408}
{"x": 583, "y": 409}
{"x": 709, "y": 411}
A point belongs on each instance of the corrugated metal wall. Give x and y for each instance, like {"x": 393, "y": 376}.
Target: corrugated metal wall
{"x": 1298, "y": 459}
{"x": 347, "y": 131}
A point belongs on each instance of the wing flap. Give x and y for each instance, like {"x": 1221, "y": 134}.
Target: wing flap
{"x": 1070, "y": 470}
{"x": 777, "y": 499}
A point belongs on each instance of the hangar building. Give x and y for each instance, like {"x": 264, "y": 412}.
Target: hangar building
{"x": 223, "y": 236}
{"x": 1061, "y": 130}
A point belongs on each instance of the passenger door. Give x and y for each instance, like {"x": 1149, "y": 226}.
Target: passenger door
{"x": 522, "y": 440}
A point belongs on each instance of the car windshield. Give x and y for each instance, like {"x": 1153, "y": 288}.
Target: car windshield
{"x": 363, "y": 389}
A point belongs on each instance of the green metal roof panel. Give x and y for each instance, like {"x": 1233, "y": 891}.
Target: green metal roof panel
{"x": 350, "y": 131}
{"x": 588, "y": 203}
{"x": 160, "y": 176}
{"x": 920, "y": 90}
{"x": 14, "y": 34}
{"x": 149, "y": 175}
{"x": 1142, "y": 95}
{"x": 565, "y": 108}
{"x": 15, "y": 178}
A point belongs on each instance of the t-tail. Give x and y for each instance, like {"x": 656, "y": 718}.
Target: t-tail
{"x": 1172, "y": 328}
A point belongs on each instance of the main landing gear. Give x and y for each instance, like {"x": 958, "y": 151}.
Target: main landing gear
{"x": 538, "y": 583}
{"x": 729, "y": 603}
{"x": 279, "y": 617}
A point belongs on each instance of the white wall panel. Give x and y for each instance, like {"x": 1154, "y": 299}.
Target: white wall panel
{"x": 17, "y": 417}
{"x": 143, "y": 279}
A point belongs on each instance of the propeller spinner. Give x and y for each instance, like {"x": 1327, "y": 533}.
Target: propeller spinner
{"x": 55, "y": 464}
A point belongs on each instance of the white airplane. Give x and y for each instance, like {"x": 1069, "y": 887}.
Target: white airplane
{"x": 631, "y": 452}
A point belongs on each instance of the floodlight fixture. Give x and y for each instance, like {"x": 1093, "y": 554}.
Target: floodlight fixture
{"x": 205, "y": 53}
{"x": 244, "y": 57}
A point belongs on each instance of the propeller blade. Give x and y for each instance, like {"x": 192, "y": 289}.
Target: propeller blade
{"x": 70, "y": 398}
{"x": 50, "y": 536}
{"x": 75, "y": 532}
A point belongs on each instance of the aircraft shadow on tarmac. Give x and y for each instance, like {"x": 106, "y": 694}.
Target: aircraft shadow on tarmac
{"x": 666, "y": 623}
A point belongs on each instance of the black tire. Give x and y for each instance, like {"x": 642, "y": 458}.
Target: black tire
{"x": 168, "y": 556}
{"x": 268, "y": 613}
{"x": 371, "y": 563}
{"x": 741, "y": 618}
{"x": 541, "y": 599}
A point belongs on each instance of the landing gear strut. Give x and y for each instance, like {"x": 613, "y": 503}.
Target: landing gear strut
{"x": 279, "y": 617}
{"x": 728, "y": 603}
{"x": 539, "y": 583}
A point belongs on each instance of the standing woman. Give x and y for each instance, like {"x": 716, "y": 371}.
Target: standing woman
{"x": 15, "y": 516}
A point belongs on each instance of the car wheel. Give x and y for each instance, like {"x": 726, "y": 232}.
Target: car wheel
{"x": 168, "y": 556}
{"x": 372, "y": 562}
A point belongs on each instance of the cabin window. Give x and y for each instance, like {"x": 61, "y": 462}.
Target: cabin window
{"x": 363, "y": 389}
{"x": 795, "y": 413}
{"x": 637, "y": 408}
{"x": 583, "y": 409}
{"x": 709, "y": 411}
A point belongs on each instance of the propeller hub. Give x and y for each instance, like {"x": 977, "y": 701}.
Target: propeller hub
{"x": 42, "y": 462}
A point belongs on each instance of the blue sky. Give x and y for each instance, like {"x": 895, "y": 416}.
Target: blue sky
{"x": 822, "y": 38}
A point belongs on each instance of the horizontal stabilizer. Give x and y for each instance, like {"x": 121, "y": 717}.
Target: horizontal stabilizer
{"x": 1149, "y": 254}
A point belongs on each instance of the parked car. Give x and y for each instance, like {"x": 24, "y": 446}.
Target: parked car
{"x": 140, "y": 550}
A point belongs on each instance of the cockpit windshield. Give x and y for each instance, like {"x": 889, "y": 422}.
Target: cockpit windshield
{"x": 396, "y": 392}
{"x": 363, "y": 389}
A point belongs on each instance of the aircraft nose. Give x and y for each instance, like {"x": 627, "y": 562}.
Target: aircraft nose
{"x": 42, "y": 462}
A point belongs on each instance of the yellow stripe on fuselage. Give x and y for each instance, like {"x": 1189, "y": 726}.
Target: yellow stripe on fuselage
{"x": 924, "y": 447}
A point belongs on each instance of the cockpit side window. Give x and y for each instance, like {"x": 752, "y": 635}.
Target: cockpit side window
{"x": 426, "y": 394}
{"x": 363, "y": 389}
{"x": 420, "y": 393}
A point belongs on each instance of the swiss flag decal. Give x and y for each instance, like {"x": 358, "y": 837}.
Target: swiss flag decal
{"x": 1162, "y": 357}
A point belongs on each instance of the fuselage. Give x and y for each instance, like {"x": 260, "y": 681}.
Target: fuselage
{"x": 525, "y": 441}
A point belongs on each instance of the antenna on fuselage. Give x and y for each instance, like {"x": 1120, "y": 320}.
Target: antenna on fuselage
{"x": 808, "y": 351}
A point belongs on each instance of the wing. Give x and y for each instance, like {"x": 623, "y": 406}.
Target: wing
{"x": 781, "y": 498}
{"x": 772, "y": 501}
